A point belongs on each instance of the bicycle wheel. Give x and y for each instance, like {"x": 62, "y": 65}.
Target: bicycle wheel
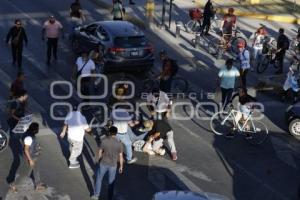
{"x": 258, "y": 131}
{"x": 234, "y": 43}
{"x": 221, "y": 123}
{"x": 262, "y": 65}
{"x": 191, "y": 26}
{"x": 179, "y": 85}
{"x": 215, "y": 26}
{"x": 3, "y": 140}
{"x": 214, "y": 47}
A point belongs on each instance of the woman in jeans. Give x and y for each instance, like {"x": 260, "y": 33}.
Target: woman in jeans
{"x": 258, "y": 43}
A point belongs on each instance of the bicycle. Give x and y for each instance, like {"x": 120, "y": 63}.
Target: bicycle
{"x": 218, "y": 46}
{"x": 215, "y": 24}
{"x": 179, "y": 85}
{"x": 224, "y": 122}
{"x": 268, "y": 56}
{"x": 4, "y": 139}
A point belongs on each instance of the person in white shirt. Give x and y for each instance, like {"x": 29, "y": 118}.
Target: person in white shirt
{"x": 85, "y": 67}
{"x": 226, "y": 80}
{"x": 158, "y": 102}
{"x": 32, "y": 151}
{"x": 76, "y": 126}
{"x": 123, "y": 122}
{"x": 258, "y": 44}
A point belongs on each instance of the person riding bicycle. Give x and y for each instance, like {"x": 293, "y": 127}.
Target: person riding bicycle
{"x": 259, "y": 39}
{"x": 242, "y": 114}
{"x": 228, "y": 24}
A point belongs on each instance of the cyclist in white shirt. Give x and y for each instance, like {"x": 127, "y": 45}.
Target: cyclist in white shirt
{"x": 258, "y": 42}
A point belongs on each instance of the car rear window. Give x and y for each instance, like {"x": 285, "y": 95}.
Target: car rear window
{"x": 128, "y": 42}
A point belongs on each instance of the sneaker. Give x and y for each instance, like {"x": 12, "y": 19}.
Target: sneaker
{"x": 133, "y": 160}
{"x": 248, "y": 136}
{"x": 174, "y": 156}
{"x": 94, "y": 197}
{"x": 13, "y": 188}
{"x": 41, "y": 187}
{"x": 161, "y": 152}
{"x": 74, "y": 166}
{"x": 151, "y": 153}
{"x": 229, "y": 135}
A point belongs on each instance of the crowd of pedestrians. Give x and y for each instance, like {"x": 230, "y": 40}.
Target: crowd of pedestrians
{"x": 125, "y": 134}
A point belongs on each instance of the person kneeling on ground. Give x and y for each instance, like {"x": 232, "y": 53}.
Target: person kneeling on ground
{"x": 162, "y": 126}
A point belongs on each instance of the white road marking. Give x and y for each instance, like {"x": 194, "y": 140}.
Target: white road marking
{"x": 157, "y": 178}
{"x": 251, "y": 175}
{"x": 32, "y": 20}
{"x": 283, "y": 152}
{"x": 26, "y": 191}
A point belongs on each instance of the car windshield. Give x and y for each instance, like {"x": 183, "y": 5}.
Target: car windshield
{"x": 128, "y": 42}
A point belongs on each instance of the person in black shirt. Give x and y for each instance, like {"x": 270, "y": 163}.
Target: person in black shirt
{"x": 17, "y": 36}
{"x": 207, "y": 15}
{"x": 244, "y": 108}
{"x": 282, "y": 46}
{"x": 166, "y": 133}
{"x": 17, "y": 108}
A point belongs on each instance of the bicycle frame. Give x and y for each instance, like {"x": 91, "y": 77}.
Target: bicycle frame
{"x": 240, "y": 128}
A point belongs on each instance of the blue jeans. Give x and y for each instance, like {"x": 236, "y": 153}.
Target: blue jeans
{"x": 257, "y": 55}
{"x": 125, "y": 139}
{"x": 133, "y": 137}
{"x": 101, "y": 171}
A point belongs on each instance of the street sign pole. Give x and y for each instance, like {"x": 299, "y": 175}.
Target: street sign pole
{"x": 170, "y": 13}
{"x": 163, "y": 14}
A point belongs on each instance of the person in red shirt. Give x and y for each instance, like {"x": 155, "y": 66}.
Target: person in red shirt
{"x": 229, "y": 22}
{"x": 17, "y": 85}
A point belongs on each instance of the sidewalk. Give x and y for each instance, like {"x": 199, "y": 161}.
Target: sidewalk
{"x": 273, "y": 10}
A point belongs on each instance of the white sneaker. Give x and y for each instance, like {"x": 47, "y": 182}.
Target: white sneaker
{"x": 133, "y": 160}
{"x": 74, "y": 166}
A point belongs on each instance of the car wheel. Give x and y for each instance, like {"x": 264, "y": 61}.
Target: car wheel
{"x": 294, "y": 127}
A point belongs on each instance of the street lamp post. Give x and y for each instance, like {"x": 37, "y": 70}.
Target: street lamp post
{"x": 170, "y": 13}
{"x": 163, "y": 14}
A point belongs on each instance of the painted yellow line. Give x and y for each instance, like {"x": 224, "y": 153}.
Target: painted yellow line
{"x": 276, "y": 18}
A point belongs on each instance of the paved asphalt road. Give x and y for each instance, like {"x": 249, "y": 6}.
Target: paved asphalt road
{"x": 206, "y": 162}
